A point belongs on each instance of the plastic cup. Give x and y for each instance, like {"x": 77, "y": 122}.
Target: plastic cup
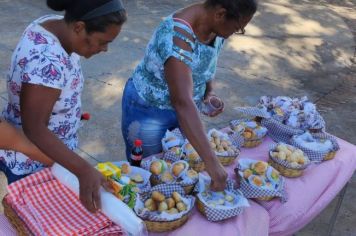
{"x": 213, "y": 104}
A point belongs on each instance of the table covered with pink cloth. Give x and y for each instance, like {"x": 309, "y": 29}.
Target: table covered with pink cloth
{"x": 308, "y": 196}
{"x": 310, "y": 193}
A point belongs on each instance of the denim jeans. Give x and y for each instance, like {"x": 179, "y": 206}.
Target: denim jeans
{"x": 145, "y": 122}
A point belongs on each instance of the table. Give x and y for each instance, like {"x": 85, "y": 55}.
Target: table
{"x": 308, "y": 196}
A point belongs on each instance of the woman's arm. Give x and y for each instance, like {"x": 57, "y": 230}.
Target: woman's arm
{"x": 209, "y": 90}
{"x": 14, "y": 139}
{"x": 180, "y": 84}
{"x": 36, "y": 107}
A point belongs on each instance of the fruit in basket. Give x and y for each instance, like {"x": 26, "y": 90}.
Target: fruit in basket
{"x": 220, "y": 144}
{"x": 214, "y": 134}
{"x": 167, "y": 177}
{"x": 216, "y": 199}
{"x": 157, "y": 196}
{"x": 181, "y": 206}
{"x": 220, "y": 149}
{"x": 176, "y": 150}
{"x": 217, "y": 141}
{"x": 157, "y": 167}
{"x": 193, "y": 156}
{"x": 189, "y": 147}
{"x": 158, "y": 203}
{"x": 247, "y": 134}
{"x": 260, "y": 167}
{"x": 290, "y": 154}
{"x": 275, "y": 175}
{"x": 281, "y": 155}
{"x": 178, "y": 168}
{"x": 125, "y": 168}
{"x": 250, "y": 129}
{"x": 225, "y": 144}
{"x": 192, "y": 174}
{"x": 177, "y": 197}
{"x": 150, "y": 205}
{"x": 170, "y": 203}
{"x": 137, "y": 179}
{"x": 257, "y": 181}
{"x": 247, "y": 173}
{"x": 191, "y": 153}
{"x": 162, "y": 206}
{"x": 172, "y": 211}
{"x": 229, "y": 198}
{"x": 212, "y": 145}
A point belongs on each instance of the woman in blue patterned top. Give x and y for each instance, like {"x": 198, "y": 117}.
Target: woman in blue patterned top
{"x": 176, "y": 75}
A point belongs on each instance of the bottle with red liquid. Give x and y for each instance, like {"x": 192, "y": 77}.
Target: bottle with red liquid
{"x": 136, "y": 153}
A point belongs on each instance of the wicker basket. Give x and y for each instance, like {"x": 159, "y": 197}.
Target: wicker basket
{"x": 287, "y": 172}
{"x": 154, "y": 224}
{"x": 252, "y": 143}
{"x": 218, "y": 215}
{"x": 329, "y": 156}
{"x": 201, "y": 207}
{"x": 265, "y": 198}
{"x": 160, "y": 226}
{"x": 15, "y": 220}
{"x": 226, "y": 161}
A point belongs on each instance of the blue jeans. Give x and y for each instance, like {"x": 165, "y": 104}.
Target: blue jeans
{"x": 9, "y": 175}
{"x": 145, "y": 122}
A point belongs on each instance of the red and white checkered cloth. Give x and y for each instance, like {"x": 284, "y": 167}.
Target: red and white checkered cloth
{"x": 49, "y": 208}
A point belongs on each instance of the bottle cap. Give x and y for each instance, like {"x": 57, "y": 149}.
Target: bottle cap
{"x": 138, "y": 142}
{"x": 85, "y": 116}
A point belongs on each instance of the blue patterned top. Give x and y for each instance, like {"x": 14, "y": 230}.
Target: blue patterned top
{"x": 149, "y": 78}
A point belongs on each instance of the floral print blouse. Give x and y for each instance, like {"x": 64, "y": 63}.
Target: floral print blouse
{"x": 149, "y": 78}
{"x": 40, "y": 59}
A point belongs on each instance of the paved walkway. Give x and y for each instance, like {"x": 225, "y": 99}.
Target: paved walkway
{"x": 292, "y": 47}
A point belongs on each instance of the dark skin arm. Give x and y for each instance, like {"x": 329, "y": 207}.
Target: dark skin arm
{"x": 35, "y": 120}
{"x": 209, "y": 90}
{"x": 180, "y": 84}
{"x": 12, "y": 138}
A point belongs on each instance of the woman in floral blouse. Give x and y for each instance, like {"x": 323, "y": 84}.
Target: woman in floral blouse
{"x": 176, "y": 75}
{"x": 45, "y": 83}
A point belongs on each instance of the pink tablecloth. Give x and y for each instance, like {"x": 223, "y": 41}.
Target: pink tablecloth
{"x": 308, "y": 196}
{"x": 311, "y": 193}
{"x": 5, "y": 227}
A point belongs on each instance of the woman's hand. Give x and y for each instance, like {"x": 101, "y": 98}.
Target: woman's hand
{"x": 90, "y": 181}
{"x": 217, "y": 174}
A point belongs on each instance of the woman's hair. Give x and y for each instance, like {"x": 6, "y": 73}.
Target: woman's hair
{"x": 235, "y": 8}
{"x": 76, "y": 9}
